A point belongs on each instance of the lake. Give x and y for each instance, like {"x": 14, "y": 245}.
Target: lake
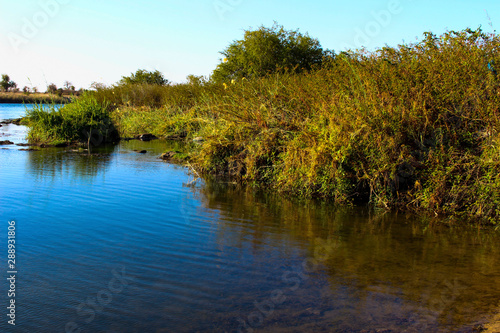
{"x": 123, "y": 242}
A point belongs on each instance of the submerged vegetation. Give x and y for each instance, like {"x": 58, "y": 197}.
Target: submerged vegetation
{"x": 409, "y": 127}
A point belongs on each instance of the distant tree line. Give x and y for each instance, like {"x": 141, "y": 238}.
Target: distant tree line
{"x": 7, "y": 85}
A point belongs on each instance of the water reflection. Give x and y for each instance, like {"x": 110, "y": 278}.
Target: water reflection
{"x": 155, "y": 146}
{"x": 79, "y": 163}
{"x": 59, "y": 163}
{"x": 389, "y": 271}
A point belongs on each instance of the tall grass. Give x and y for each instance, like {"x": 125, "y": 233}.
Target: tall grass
{"x": 82, "y": 120}
{"x": 414, "y": 126}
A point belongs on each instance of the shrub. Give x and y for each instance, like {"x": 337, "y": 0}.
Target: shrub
{"x": 267, "y": 50}
{"x": 142, "y": 76}
{"x": 52, "y": 88}
{"x": 85, "y": 120}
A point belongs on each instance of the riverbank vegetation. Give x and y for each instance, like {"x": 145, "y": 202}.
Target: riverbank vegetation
{"x": 83, "y": 120}
{"x": 407, "y": 127}
{"x": 10, "y": 93}
{"x": 31, "y": 98}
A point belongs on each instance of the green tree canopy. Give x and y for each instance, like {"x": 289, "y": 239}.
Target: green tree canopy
{"x": 145, "y": 77}
{"x": 6, "y": 84}
{"x": 267, "y": 50}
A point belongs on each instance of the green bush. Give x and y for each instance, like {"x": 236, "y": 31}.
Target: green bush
{"x": 268, "y": 50}
{"x": 83, "y": 119}
{"x": 142, "y": 76}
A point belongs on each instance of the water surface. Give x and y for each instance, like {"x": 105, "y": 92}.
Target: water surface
{"x": 12, "y": 132}
{"x": 123, "y": 242}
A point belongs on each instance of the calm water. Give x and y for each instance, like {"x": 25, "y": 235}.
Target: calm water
{"x": 122, "y": 242}
{"x": 12, "y": 133}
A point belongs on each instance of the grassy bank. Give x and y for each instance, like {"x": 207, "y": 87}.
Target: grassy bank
{"x": 84, "y": 120}
{"x": 410, "y": 127}
{"x": 31, "y": 98}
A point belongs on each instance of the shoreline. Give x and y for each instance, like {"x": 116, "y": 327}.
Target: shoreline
{"x": 187, "y": 158}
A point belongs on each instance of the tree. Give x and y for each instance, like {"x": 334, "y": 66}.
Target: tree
{"x": 52, "y": 88}
{"x": 268, "y": 50}
{"x": 67, "y": 85}
{"x": 97, "y": 86}
{"x": 195, "y": 80}
{"x": 142, "y": 76}
{"x": 6, "y": 84}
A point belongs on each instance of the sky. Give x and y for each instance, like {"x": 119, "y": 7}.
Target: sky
{"x": 86, "y": 41}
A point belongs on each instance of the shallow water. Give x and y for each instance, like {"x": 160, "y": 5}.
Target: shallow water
{"x": 123, "y": 242}
{"x": 12, "y": 132}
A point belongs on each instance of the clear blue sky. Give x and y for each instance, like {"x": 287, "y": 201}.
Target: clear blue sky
{"x": 82, "y": 41}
